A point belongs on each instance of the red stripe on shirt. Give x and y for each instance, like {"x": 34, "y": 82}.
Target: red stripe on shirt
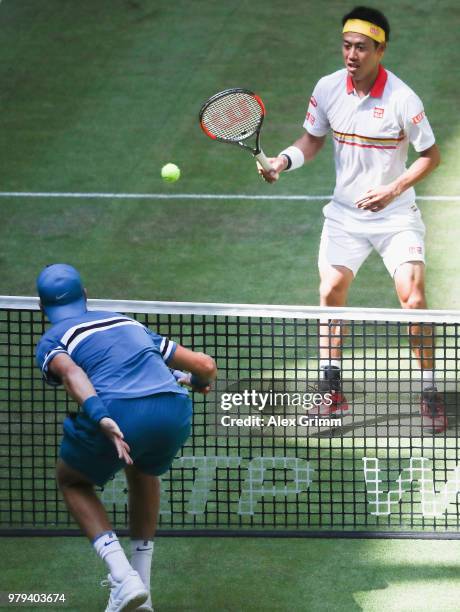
{"x": 363, "y": 146}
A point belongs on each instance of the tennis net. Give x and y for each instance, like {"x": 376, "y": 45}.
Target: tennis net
{"x": 259, "y": 459}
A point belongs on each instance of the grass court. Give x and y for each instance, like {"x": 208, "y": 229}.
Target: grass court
{"x": 96, "y": 96}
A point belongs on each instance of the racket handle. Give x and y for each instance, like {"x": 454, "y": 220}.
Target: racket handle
{"x": 263, "y": 161}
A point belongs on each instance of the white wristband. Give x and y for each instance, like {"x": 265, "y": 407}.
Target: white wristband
{"x": 295, "y": 155}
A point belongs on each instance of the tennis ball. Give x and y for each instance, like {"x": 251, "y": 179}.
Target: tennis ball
{"x": 170, "y": 173}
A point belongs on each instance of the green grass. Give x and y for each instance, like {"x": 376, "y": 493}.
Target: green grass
{"x": 214, "y": 574}
{"x": 97, "y": 96}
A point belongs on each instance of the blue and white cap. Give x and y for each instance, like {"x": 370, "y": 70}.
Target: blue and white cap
{"x": 61, "y": 292}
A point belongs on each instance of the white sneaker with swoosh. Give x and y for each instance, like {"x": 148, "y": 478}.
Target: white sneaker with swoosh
{"x": 126, "y": 595}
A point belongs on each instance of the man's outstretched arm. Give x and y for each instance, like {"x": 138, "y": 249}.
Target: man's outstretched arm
{"x": 202, "y": 367}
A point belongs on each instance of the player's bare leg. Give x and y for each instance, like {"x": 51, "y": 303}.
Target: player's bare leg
{"x": 144, "y": 503}
{"x": 333, "y": 291}
{"x": 87, "y": 509}
{"x": 144, "y": 506}
{"x": 410, "y": 287}
{"x": 81, "y": 500}
{"x": 334, "y": 286}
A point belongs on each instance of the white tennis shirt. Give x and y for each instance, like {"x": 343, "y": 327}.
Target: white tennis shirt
{"x": 371, "y": 135}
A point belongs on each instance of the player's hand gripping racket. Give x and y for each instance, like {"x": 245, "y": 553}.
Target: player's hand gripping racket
{"x": 234, "y": 116}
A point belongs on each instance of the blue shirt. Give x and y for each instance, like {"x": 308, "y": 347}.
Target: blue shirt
{"x": 121, "y": 357}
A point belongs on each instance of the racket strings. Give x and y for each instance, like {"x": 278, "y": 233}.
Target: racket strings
{"x": 234, "y": 117}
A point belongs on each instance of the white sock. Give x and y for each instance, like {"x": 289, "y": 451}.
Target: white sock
{"x": 109, "y": 549}
{"x": 141, "y": 559}
{"x": 428, "y": 380}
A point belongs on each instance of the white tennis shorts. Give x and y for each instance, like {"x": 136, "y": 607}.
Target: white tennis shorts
{"x": 397, "y": 239}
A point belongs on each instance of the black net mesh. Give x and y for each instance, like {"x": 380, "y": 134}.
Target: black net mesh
{"x": 380, "y": 467}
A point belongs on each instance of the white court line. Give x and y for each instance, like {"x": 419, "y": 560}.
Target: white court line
{"x": 155, "y": 196}
{"x": 187, "y": 196}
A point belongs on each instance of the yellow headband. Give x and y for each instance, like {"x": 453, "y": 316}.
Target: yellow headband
{"x": 365, "y": 27}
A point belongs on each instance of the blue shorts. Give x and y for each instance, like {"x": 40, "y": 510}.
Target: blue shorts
{"x": 155, "y": 428}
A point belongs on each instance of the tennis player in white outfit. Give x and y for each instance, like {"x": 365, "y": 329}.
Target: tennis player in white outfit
{"x": 372, "y": 117}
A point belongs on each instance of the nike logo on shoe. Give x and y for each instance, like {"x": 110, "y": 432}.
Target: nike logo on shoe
{"x": 141, "y": 549}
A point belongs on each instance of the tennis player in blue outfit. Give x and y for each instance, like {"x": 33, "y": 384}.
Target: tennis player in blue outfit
{"x": 134, "y": 416}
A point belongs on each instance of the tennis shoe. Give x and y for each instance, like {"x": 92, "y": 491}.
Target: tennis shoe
{"x": 146, "y": 606}
{"x": 333, "y": 401}
{"x": 434, "y": 417}
{"x": 126, "y": 595}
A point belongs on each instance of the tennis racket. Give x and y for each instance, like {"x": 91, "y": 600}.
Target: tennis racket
{"x": 234, "y": 116}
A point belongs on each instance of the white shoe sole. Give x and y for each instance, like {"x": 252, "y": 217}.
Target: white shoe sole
{"x": 134, "y": 602}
